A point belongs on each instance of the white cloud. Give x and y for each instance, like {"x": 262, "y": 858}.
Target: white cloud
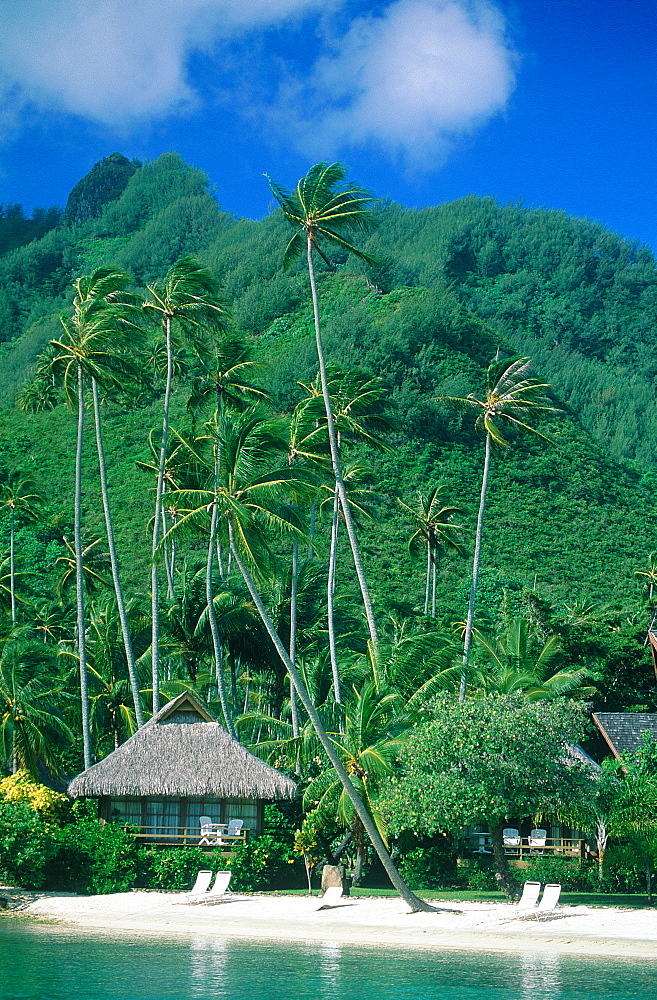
{"x": 119, "y": 61}
{"x": 408, "y": 80}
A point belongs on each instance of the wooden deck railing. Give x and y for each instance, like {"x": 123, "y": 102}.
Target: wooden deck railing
{"x": 187, "y": 836}
{"x": 481, "y": 843}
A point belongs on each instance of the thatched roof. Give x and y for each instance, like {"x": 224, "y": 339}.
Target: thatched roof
{"x": 183, "y": 751}
{"x": 623, "y": 731}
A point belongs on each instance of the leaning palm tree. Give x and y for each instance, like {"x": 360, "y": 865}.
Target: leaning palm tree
{"x": 511, "y": 398}
{"x": 19, "y": 497}
{"x": 435, "y": 528}
{"x": 189, "y": 295}
{"x": 321, "y": 209}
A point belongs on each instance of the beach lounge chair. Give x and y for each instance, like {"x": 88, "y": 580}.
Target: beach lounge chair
{"x": 218, "y": 890}
{"x": 511, "y": 840}
{"x": 525, "y": 905}
{"x": 208, "y": 832}
{"x": 548, "y": 904}
{"x": 330, "y": 897}
{"x": 234, "y": 830}
{"x": 201, "y": 885}
{"x": 536, "y": 841}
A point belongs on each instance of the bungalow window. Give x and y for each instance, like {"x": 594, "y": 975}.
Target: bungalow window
{"x": 162, "y": 814}
{"x": 245, "y": 809}
{"x": 125, "y": 810}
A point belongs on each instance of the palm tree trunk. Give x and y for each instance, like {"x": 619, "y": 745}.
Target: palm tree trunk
{"x": 155, "y": 612}
{"x": 428, "y": 579}
{"x": 212, "y": 618}
{"x": 433, "y": 584}
{"x": 12, "y": 574}
{"x": 409, "y": 897}
{"x": 333, "y": 561}
{"x": 475, "y": 571}
{"x": 335, "y": 460}
{"x": 79, "y": 581}
{"x": 167, "y": 550}
{"x": 114, "y": 562}
{"x": 293, "y": 634}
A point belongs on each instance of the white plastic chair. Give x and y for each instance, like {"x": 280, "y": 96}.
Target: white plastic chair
{"x": 218, "y": 890}
{"x": 201, "y": 885}
{"x": 548, "y": 904}
{"x": 536, "y": 841}
{"x": 511, "y": 840}
{"x": 525, "y": 905}
{"x": 208, "y": 832}
{"x": 234, "y": 830}
{"x": 330, "y": 897}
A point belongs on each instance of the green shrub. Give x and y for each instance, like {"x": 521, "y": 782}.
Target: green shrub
{"x": 93, "y": 857}
{"x": 479, "y": 874}
{"x": 26, "y": 845}
{"x": 265, "y": 863}
{"x": 570, "y": 873}
{"x": 167, "y": 870}
{"x": 432, "y": 866}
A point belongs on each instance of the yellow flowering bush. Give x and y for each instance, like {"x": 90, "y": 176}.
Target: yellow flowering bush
{"x": 51, "y": 806}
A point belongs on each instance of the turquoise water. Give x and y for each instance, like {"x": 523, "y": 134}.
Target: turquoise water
{"x": 40, "y": 962}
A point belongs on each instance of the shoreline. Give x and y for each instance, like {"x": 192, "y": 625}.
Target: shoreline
{"x": 363, "y": 921}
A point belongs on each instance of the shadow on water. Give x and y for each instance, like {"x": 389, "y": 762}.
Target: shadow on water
{"x": 44, "y": 962}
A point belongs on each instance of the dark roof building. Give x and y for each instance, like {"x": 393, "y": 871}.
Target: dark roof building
{"x": 623, "y": 731}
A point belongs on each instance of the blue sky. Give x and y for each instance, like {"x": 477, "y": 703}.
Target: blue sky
{"x": 551, "y": 102}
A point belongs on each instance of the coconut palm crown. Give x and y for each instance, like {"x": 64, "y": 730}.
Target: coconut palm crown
{"x": 321, "y": 208}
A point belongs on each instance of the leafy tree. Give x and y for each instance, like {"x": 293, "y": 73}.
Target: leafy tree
{"x": 489, "y": 760}
{"x": 511, "y": 398}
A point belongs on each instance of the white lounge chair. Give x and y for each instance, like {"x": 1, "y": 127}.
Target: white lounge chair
{"x": 330, "y": 897}
{"x": 525, "y": 905}
{"x": 548, "y": 904}
{"x": 201, "y": 885}
{"x": 511, "y": 840}
{"x": 536, "y": 841}
{"x": 218, "y": 890}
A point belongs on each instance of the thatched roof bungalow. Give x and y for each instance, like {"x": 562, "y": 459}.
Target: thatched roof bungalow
{"x": 179, "y": 766}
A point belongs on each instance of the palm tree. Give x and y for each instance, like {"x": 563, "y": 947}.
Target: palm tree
{"x": 511, "y": 398}
{"x": 96, "y": 347}
{"x": 321, "y": 209}
{"x": 189, "y": 295}
{"x": 435, "y": 528}
{"x": 20, "y": 498}
{"x": 31, "y": 725}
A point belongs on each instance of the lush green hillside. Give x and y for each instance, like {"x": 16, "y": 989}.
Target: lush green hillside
{"x": 454, "y": 282}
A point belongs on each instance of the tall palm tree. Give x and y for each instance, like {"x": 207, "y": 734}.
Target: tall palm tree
{"x": 434, "y": 524}
{"x": 511, "y": 398}
{"x": 20, "y": 498}
{"x": 320, "y": 209}
{"x": 100, "y": 340}
{"x": 188, "y": 296}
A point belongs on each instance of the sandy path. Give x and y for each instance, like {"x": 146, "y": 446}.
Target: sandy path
{"x": 360, "y": 920}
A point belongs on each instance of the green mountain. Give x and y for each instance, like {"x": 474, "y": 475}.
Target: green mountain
{"x": 454, "y": 284}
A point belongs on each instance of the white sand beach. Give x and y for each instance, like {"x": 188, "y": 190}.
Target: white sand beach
{"x": 367, "y": 921}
